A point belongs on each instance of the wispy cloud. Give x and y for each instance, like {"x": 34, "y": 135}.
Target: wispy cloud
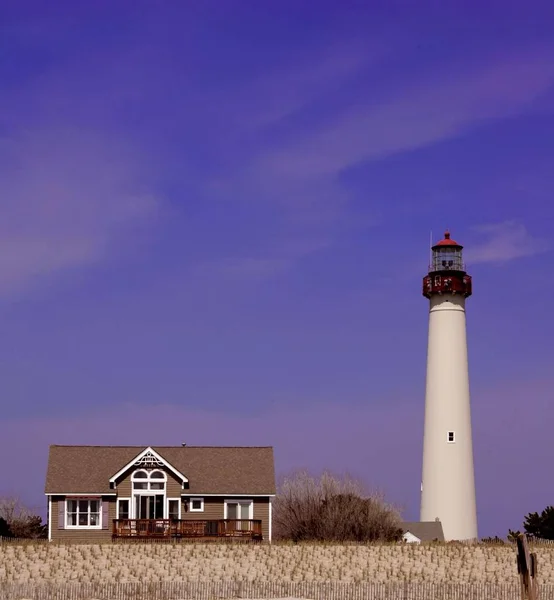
{"x": 244, "y": 268}
{"x": 276, "y": 259}
{"x": 69, "y": 193}
{"x": 300, "y": 169}
{"x": 414, "y": 116}
{"x": 287, "y": 90}
{"x": 67, "y": 197}
{"x": 505, "y": 241}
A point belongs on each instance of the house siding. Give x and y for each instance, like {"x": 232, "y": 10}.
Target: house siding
{"x": 214, "y": 509}
{"x": 81, "y": 535}
{"x": 261, "y": 511}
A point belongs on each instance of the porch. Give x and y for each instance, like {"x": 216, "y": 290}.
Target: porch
{"x": 179, "y": 528}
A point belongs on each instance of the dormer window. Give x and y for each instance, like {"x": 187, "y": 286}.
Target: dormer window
{"x": 155, "y": 480}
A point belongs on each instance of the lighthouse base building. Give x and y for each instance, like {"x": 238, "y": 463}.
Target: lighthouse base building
{"x": 448, "y": 481}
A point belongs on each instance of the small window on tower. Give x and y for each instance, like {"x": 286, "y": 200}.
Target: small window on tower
{"x": 451, "y": 438}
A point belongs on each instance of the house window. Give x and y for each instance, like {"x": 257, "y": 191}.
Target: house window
{"x": 83, "y": 513}
{"x": 451, "y": 437}
{"x": 174, "y": 509}
{"x": 123, "y": 508}
{"x": 238, "y": 509}
{"x": 197, "y": 505}
{"x": 237, "y": 514}
{"x": 155, "y": 480}
{"x": 149, "y": 501}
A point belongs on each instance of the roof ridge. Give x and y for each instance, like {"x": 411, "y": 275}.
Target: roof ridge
{"x": 144, "y": 446}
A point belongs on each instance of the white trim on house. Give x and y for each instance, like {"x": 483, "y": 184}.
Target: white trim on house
{"x": 270, "y": 524}
{"x": 73, "y": 495}
{"x": 49, "y": 518}
{"x": 148, "y": 479}
{"x": 239, "y": 501}
{"x": 123, "y": 499}
{"x": 229, "y": 495}
{"x": 99, "y": 526}
{"x": 167, "y": 501}
{"x": 191, "y": 500}
{"x": 157, "y": 456}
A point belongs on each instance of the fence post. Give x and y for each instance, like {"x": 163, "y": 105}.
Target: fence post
{"x": 527, "y": 567}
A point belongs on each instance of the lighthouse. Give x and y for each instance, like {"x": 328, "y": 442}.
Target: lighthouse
{"x": 448, "y": 481}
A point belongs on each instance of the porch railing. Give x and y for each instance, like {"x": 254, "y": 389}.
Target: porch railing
{"x": 174, "y": 528}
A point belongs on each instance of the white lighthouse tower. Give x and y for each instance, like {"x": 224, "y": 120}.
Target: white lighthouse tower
{"x": 448, "y": 483}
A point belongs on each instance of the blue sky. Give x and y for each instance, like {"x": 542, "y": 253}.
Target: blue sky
{"x": 215, "y": 218}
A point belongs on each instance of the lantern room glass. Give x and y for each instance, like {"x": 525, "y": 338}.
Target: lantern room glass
{"x": 447, "y": 258}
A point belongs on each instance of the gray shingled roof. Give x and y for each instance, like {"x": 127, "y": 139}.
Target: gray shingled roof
{"x": 426, "y": 531}
{"x": 209, "y": 469}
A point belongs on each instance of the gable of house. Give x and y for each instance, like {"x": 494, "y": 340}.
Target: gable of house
{"x": 410, "y": 538}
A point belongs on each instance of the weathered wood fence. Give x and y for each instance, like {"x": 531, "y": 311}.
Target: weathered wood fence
{"x": 488, "y": 542}
{"x": 231, "y": 589}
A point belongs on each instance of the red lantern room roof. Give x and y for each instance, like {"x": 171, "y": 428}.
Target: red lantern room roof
{"x": 447, "y": 242}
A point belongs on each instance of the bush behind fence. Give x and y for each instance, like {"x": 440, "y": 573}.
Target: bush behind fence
{"x": 232, "y": 589}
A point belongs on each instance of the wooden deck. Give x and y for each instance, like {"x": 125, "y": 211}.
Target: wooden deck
{"x": 177, "y": 529}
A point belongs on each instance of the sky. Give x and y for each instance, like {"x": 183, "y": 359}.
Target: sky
{"x": 215, "y": 218}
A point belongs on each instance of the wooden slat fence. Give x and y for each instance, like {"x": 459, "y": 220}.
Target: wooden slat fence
{"x": 531, "y": 541}
{"x": 232, "y": 589}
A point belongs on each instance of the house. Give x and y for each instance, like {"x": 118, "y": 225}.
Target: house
{"x": 100, "y": 493}
{"x": 423, "y": 531}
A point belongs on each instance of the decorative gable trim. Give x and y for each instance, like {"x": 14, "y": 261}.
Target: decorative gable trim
{"x": 149, "y": 458}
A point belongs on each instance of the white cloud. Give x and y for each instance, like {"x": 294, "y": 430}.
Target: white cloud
{"x": 66, "y": 197}
{"x": 414, "y": 116}
{"x": 506, "y": 241}
{"x": 246, "y": 267}
{"x": 300, "y": 170}
{"x": 278, "y": 259}
{"x": 284, "y": 91}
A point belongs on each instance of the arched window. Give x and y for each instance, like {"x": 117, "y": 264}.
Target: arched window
{"x": 155, "y": 480}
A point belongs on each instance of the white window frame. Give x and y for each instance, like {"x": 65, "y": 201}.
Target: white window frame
{"x": 191, "y": 509}
{"x": 148, "y": 491}
{"x": 239, "y": 501}
{"x": 270, "y": 532}
{"x": 167, "y": 501}
{"x": 79, "y": 499}
{"x": 148, "y": 480}
{"x": 448, "y": 440}
{"x": 49, "y": 518}
{"x": 129, "y": 500}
